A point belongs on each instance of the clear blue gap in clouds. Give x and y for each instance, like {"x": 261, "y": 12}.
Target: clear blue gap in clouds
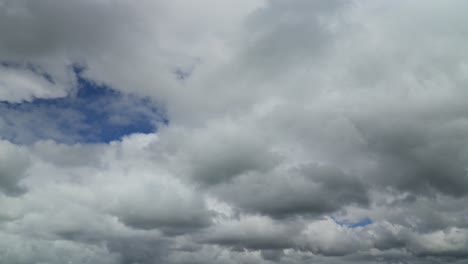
{"x": 95, "y": 113}
{"x": 364, "y": 222}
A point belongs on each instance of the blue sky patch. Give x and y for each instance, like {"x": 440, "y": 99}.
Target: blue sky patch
{"x": 95, "y": 113}
{"x": 364, "y": 222}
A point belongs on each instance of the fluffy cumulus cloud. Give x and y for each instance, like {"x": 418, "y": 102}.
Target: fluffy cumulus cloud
{"x": 221, "y": 131}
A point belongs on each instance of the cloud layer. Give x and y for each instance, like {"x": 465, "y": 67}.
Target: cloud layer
{"x": 299, "y": 132}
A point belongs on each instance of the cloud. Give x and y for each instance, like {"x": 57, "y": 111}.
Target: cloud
{"x": 19, "y": 83}
{"x": 15, "y": 249}
{"x": 251, "y": 232}
{"x": 93, "y": 113}
{"x": 233, "y": 132}
{"x": 310, "y": 190}
{"x": 14, "y": 165}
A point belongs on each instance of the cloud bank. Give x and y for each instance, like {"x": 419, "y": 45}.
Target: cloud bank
{"x": 261, "y": 131}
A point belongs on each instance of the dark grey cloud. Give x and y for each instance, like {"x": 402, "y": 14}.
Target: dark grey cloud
{"x": 307, "y": 190}
{"x": 419, "y": 151}
{"x": 222, "y": 160}
{"x": 139, "y": 250}
{"x": 14, "y": 163}
{"x": 34, "y": 29}
{"x": 175, "y": 221}
{"x": 272, "y": 255}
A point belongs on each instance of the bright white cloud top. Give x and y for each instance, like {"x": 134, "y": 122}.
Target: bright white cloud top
{"x": 221, "y": 131}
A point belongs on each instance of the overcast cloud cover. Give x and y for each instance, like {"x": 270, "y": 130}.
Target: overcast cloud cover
{"x": 284, "y": 131}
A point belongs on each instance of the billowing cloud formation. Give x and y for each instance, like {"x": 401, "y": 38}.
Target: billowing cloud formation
{"x": 300, "y": 132}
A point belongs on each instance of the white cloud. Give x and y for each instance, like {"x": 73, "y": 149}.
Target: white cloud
{"x": 18, "y": 85}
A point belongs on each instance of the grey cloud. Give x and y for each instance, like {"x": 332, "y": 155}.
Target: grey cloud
{"x": 139, "y": 250}
{"x": 17, "y": 249}
{"x": 50, "y": 33}
{"x": 172, "y": 209}
{"x": 252, "y": 233}
{"x": 295, "y": 112}
{"x": 272, "y": 255}
{"x": 221, "y": 160}
{"x": 418, "y": 153}
{"x": 280, "y": 38}
{"x": 172, "y": 222}
{"x": 215, "y": 254}
{"x": 310, "y": 190}
{"x": 426, "y": 214}
{"x": 14, "y": 163}
{"x": 34, "y": 29}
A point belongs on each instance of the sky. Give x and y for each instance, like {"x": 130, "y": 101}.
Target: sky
{"x": 233, "y": 132}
